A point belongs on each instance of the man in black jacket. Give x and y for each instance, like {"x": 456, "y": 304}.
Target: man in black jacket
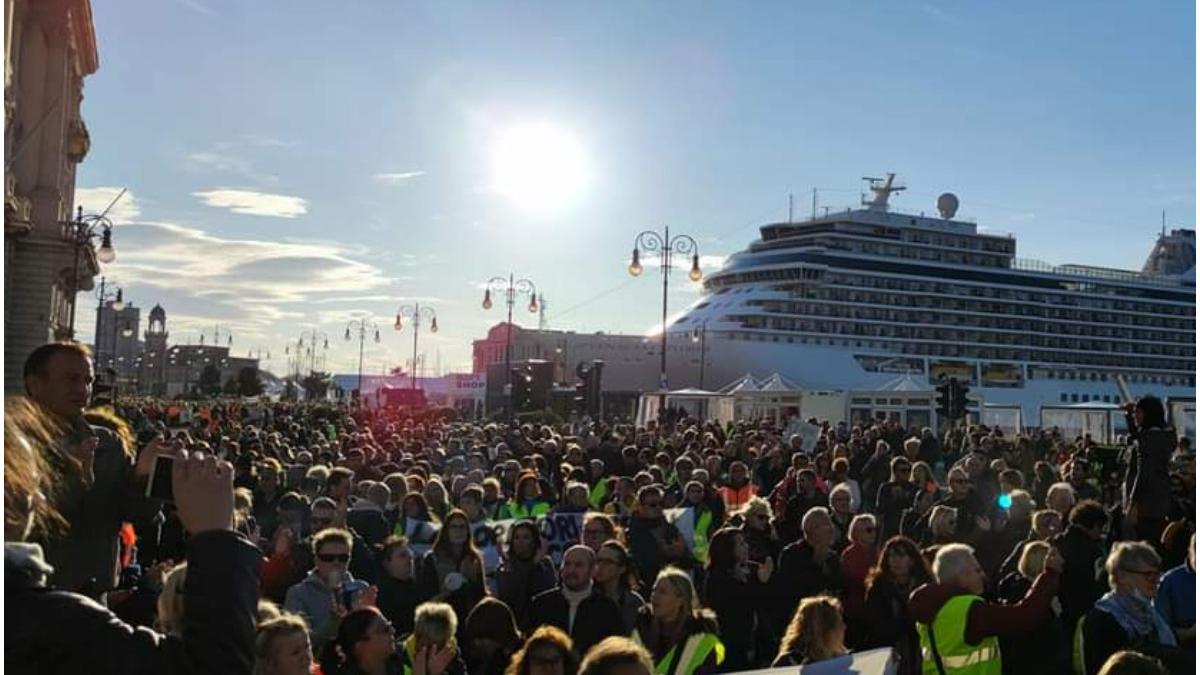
{"x": 809, "y": 566}
{"x": 580, "y": 610}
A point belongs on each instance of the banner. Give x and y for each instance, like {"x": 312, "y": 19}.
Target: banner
{"x": 561, "y": 531}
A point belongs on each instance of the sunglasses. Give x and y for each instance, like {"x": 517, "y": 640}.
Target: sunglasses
{"x": 334, "y": 557}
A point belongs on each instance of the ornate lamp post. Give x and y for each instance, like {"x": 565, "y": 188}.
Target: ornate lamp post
{"x": 116, "y": 298}
{"x": 416, "y": 312}
{"x": 511, "y": 288}
{"x": 80, "y": 233}
{"x": 663, "y": 244}
{"x": 700, "y": 335}
{"x": 361, "y": 326}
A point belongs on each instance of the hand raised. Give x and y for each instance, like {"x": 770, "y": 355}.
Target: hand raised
{"x": 145, "y": 459}
{"x": 203, "y": 490}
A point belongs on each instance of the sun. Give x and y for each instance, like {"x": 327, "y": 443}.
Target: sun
{"x": 539, "y": 166}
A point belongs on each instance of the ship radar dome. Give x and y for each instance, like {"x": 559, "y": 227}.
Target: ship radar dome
{"x": 947, "y": 205}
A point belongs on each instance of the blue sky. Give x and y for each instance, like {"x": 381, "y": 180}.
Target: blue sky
{"x": 297, "y": 164}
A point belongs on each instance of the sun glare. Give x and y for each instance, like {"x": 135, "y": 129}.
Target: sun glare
{"x": 540, "y": 167}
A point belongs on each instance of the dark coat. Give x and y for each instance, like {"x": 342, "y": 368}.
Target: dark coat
{"x": 735, "y": 603}
{"x": 1147, "y": 477}
{"x": 519, "y": 581}
{"x": 85, "y": 558}
{"x": 398, "y": 601}
{"x": 1103, "y": 637}
{"x": 1083, "y": 578}
{"x": 597, "y": 617}
{"x": 61, "y": 632}
{"x": 800, "y": 576}
{"x": 888, "y": 624}
{"x": 1041, "y": 648}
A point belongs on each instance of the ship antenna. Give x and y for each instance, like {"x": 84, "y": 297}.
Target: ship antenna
{"x": 1164, "y": 222}
{"x": 791, "y": 199}
{"x": 814, "y": 204}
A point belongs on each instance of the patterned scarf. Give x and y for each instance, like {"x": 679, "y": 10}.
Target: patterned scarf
{"x": 1137, "y": 617}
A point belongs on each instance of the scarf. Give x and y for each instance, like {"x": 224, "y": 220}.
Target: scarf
{"x": 1137, "y": 617}
{"x": 574, "y": 599}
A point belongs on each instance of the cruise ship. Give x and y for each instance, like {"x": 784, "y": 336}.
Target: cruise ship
{"x": 856, "y": 299}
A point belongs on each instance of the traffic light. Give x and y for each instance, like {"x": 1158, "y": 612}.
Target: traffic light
{"x": 580, "y": 400}
{"x": 520, "y": 389}
{"x": 958, "y": 400}
{"x": 943, "y": 400}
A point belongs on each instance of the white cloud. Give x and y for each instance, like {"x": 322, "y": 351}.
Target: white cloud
{"x": 252, "y": 203}
{"x": 239, "y": 271}
{"x": 221, "y": 162}
{"x": 396, "y": 178}
{"x": 712, "y": 262}
{"x": 95, "y": 200}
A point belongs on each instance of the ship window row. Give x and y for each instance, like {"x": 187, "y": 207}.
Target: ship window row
{"x": 997, "y": 281}
{"x": 939, "y": 291}
{"x": 953, "y": 256}
{"x": 881, "y": 311}
{"x": 1003, "y": 293}
{"x": 992, "y": 302}
{"x": 1014, "y": 347}
{"x": 1074, "y": 374}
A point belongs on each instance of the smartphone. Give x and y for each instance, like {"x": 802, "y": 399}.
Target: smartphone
{"x": 160, "y": 485}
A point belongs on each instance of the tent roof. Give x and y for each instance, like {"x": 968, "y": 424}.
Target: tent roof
{"x": 904, "y": 383}
{"x": 778, "y": 382}
{"x": 743, "y": 383}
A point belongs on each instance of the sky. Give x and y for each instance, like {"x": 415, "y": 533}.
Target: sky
{"x": 292, "y": 166}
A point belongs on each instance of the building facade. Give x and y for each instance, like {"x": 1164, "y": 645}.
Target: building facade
{"x": 168, "y": 370}
{"x": 49, "y": 48}
{"x": 116, "y": 347}
{"x": 631, "y": 362}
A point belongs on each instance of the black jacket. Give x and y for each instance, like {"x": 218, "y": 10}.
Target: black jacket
{"x": 1103, "y": 637}
{"x": 85, "y": 558}
{"x": 597, "y": 617}
{"x": 1147, "y": 478}
{"x": 52, "y": 631}
{"x": 735, "y": 603}
{"x": 1042, "y": 648}
{"x": 888, "y": 624}
{"x": 518, "y": 581}
{"x": 1083, "y": 578}
{"x": 398, "y": 601}
{"x": 799, "y": 576}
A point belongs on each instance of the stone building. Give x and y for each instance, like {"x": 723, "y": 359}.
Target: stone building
{"x": 168, "y": 370}
{"x": 631, "y": 362}
{"x": 49, "y": 48}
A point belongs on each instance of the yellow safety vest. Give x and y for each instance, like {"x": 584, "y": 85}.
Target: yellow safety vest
{"x": 518, "y": 511}
{"x": 598, "y": 493}
{"x": 700, "y": 536}
{"x": 696, "y": 649}
{"x": 958, "y": 657}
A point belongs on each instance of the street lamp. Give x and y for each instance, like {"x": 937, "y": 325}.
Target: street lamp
{"x": 511, "y": 289}
{"x": 310, "y": 348}
{"x": 216, "y": 337}
{"x": 663, "y": 244}
{"x": 415, "y": 312}
{"x": 116, "y": 300}
{"x": 700, "y": 335}
{"x": 80, "y": 233}
{"x": 361, "y": 325}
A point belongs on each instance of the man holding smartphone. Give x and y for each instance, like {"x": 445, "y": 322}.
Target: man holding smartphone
{"x": 103, "y": 485}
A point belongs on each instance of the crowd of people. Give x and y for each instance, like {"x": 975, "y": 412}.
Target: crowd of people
{"x": 292, "y": 538}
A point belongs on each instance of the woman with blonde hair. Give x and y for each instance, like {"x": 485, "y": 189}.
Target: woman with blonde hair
{"x": 943, "y": 526}
{"x": 170, "y": 601}
{"x": 616, "y": 655}
{"x": 549, "y": 651}
{"x": 1041, "y": 648}
{"x": 281, "y": 647}
{"x": 759, "y": 532}
{"x": 680, "y": 636}
{"x": 816, "y": 633}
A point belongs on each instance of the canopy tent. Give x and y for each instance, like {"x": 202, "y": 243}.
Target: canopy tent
{"x": 710, "y": 405}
